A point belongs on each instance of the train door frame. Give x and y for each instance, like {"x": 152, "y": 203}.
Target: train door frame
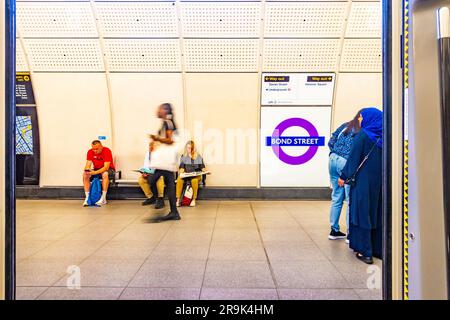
{"x": 10, "y": 207}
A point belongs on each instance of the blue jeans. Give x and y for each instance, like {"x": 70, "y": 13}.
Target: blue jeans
{"x": 339, "y": 194}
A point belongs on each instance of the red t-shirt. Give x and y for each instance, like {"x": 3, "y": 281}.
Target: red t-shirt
{"x": 99, "y": 159}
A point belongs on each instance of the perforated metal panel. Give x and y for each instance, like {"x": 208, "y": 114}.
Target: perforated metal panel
{"x": 134, "y": 0}
{"x": 300, "y": 55}
{"x": 364, "y": 20}
{"x": 143, "y": 54}
{"x": 305, "y": 20}
{"x": 66, "y": 19}
{"x": 361, "y": 55}
{"x": 64, "y": 54}
{"x": 21, "y": 63}
{"x": 216, "y": 20}
{"x": 146, "y": 19}
{"x": 233, "y": 55}
{"x": 52, "y": 1}
{"x": 308, "y": 1}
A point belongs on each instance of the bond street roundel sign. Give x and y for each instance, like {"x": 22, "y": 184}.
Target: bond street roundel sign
{"x": 313, "y": 141}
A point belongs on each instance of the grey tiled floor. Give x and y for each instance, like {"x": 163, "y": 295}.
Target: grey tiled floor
{"x": 219, "y": 250}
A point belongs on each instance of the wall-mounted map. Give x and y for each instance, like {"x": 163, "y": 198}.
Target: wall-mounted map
{"x": 24, "y": 135}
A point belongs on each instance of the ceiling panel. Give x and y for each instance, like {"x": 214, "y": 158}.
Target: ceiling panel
{"x": 300, "y": 55}
{"x": 69, "y": 19}
{"x": 361, "y": 55}
{"x": 364, "y": 20}
{"x": 130, "y": 20}
{"x": 215, "y": 55}
{"x": 21, "y": 63}
{"x": 64, "y": 54}
{"x": 305, "y": 20}
{"x": 217, "y": 20}
{"x": 143, "y": 54}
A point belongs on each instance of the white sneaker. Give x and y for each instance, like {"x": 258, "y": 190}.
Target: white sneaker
{"x": 101, "y": 202}
{"x": 178, "y": 203}
{"x": 85, "y": 203}
{"x": 192, "y": 204}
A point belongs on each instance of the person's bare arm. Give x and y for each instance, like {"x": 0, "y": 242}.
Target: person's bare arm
{"x": 88, "y": 165}
{"x": 167, "y": 140}
{"x": 101, "y": 170}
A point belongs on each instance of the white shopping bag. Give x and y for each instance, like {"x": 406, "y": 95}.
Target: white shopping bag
{"x": 165, "y": 157}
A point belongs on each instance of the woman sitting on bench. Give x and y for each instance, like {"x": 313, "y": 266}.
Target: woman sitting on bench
{"x": 190, "y": 161}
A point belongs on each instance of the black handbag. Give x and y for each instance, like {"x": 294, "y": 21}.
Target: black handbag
{"x": 352, "y": 180}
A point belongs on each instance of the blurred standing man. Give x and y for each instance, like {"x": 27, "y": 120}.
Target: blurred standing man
{"x": 101, "y": 159}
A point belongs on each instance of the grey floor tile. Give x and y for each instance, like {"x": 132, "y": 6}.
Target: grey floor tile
{"x": 291, "y": 234}
{"x": 126, "y": 249}
{"x": 160, "y": 294}
{"x": 143, "y": 232}
{"x": 181, "y": 252}
{"x": 188, "y": 224}
{"x": 45, "y": 234}
{"x": 69, "y": 249}
{"x": 232, "y": 234}
{"x": 29, "y": 293}
{"x": 267, "y": 223}
{"x": 336, "y": 250}
{"x": 293, "y": 251}
{"x": 235, "y": 223}
{"x": 369, "y": 294}
{"x": 238, "y": 294}
{"x": 170, "y": 274}
{"x": 61, "y": 293}
{"x": 237, "y": 251}
{"x": 241, "y": 274}
{"x": 318, "y": 294}
{"x": 308, "y": 275}
{"x": 42, "y": 272}
{"x": 359, "y": 274}
{"x": 103, "y": 272}
{"x": 191, "y": 236}
{"x": 25, "y": 249}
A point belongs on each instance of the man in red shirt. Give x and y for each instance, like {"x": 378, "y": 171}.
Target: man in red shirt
{"x": 101, "y": 159}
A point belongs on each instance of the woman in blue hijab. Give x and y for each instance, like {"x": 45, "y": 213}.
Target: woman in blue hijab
{"x": 365, "y": 232}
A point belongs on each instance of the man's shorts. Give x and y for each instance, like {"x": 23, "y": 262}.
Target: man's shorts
{"x": 111, "y": 173}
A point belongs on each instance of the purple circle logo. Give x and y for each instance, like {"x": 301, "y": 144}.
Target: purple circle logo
{"x": 313, "y": 141}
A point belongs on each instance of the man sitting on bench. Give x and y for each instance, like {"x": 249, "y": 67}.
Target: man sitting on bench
{"x": 101, "y": 159}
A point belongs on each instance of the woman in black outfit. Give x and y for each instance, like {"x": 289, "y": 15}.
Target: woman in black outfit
{"x": 165, "y": 135}
{"x": 365, "y": 195}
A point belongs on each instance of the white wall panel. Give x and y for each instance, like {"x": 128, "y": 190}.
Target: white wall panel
{"x": 64, "y": 54}
{"x": 21, "y": 63}
{"x": 304, "y": 20}
{"x": 300, "y": 55}
{"x": 209, "y": 55}
{"x": 73, "y": 111}
{"x": 219, "y": 108}
{"x": 354, "y": 92}
{"x": 363, "y": 55}
{"x": 136, "y": 97}
{"x": 145, "y": 19}
{"x": 217, "y": 20}
{"x": 364, "y": 20}
{"x": 68, "y": 19}
{"x": 143, "y": 54}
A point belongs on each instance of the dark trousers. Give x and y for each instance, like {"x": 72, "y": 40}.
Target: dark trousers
{"x": 169, "y": 181}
